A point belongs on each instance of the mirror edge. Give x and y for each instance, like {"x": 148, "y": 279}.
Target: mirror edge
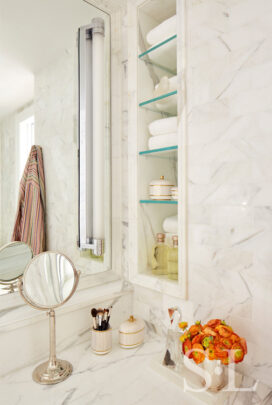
{"x": 28, "y": 301}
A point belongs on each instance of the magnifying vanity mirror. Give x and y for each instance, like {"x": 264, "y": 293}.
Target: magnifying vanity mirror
{"x": 14, "y": 257}
{"x": 48, "y": 282}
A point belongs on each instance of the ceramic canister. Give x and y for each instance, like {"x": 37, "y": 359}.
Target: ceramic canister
{"x": 160, "y": 189}
{"x": 101, "y": 341}
{"x": 214, "y": 374}
{"x": 131, "y": 333}
{"x": 174, "y": 192}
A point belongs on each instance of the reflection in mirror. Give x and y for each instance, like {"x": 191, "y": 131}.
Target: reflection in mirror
{"x": 49, "y": 281}
{"x": 14, "y": 257}
{"x": 39, "y": 106}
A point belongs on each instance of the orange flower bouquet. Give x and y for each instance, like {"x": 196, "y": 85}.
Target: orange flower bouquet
{"x": 215, "y": 341}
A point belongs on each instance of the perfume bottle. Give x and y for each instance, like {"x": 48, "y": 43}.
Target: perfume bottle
{"x": 173, "y": 259}
{"x": 160, "y": 255}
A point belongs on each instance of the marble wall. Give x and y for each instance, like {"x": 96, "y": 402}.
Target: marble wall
{"x": 56, "y": 133}
{"x": 8, "y": 180}
{"x": 229, "y": 60}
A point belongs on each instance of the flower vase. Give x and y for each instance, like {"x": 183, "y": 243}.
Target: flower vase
{"x": 215, "y": 375}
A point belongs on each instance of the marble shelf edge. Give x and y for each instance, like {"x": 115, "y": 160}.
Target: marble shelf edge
{"x": 21, "y": 315}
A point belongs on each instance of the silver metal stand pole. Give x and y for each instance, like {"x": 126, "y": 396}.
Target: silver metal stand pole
{"x": 52, "y": 336}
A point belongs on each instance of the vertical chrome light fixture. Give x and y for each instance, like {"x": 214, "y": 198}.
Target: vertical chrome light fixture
{"x": 91, "y": 136}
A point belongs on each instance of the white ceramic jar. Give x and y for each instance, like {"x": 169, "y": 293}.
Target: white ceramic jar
{"x": 160, "y": 189}
{"x": 174, "y": 193}
{"x": 101, "y": 341}
{"x": 131, "y": 333}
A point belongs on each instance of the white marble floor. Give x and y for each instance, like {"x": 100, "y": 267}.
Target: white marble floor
{"x": 123, "y": 377}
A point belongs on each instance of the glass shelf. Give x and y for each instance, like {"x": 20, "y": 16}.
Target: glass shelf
{"x": 169, "y": 107}
{"x": 163, "y": 55}
{"x": 158, "y": 202}
{"x": 160, "y": 151}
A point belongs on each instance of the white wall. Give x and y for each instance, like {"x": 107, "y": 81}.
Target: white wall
{"x": 8, "y": 180}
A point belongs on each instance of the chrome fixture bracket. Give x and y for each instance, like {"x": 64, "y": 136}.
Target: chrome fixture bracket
{"x": 96, "y": 245}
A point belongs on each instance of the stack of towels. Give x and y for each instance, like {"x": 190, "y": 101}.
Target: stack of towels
{"x": 160, "y": 33}
{"x": 165, "y": 30}
{"x": 163, "y": 133}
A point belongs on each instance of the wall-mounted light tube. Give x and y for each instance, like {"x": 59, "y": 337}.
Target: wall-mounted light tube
{"x": 91, "y": 137}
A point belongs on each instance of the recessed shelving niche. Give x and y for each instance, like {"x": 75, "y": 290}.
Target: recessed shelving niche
{"x": 153, "y": 95}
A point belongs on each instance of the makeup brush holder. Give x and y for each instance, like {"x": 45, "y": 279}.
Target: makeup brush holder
{"x": 101, "y": 341}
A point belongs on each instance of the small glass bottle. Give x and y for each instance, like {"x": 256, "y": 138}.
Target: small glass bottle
{"x": 173, "y": 259}
{"x": 160, "y": 255}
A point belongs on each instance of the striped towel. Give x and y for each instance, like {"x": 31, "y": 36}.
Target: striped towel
{"x": 30, "y": 217}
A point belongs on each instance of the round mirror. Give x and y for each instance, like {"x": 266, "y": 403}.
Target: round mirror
{"x": 14, "y": 257}
{"x": 49, "y": 280}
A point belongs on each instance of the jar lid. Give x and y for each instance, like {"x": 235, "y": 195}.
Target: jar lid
{"x": 160, "y": 182}
{"x": 175, "y": 240}
{"x": 160, "y": 237}
{"x": 132, "y": 325}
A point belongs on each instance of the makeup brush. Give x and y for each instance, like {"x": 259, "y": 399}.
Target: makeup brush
{"x": 109, "y": 315}
{"x": 94, "y": 313}
{"x": 100, "y": 318}
{"x": 105, "y": 317}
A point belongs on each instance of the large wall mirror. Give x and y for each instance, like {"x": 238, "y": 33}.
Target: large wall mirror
{"x": 39, "y": 105}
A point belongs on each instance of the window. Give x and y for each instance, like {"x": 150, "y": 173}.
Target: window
{"x": 26, "y": 140}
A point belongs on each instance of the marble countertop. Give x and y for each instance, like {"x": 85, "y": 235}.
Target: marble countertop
{"x": 122, "y": 377}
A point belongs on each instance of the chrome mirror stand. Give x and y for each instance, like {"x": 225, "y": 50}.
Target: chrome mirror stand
{"x": 9, "y": 287}
{"x": 54, "y": 370}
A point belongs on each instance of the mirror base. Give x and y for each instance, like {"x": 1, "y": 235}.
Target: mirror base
{"x": 45, "y": 375}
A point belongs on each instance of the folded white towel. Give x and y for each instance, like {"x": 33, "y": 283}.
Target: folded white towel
{"x": 162, "y": 141}
{"x": 163, "y": 126}
{"x": 165, "y": 30}
{"x": 170, "y": 225}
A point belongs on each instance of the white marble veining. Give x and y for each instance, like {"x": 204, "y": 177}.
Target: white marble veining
{"x": 122, "y": 377}
{"x": 9, "y": 180}
{"x": 229, "y": 108}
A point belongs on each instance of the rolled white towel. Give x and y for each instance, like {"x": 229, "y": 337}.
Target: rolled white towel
{"x": 170, "y": 225}
{"x": 162, "y": 141}
{"x": 165, "y": 30}
{"x": 166, "y": 85}
{"x": 163, "y": 126}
